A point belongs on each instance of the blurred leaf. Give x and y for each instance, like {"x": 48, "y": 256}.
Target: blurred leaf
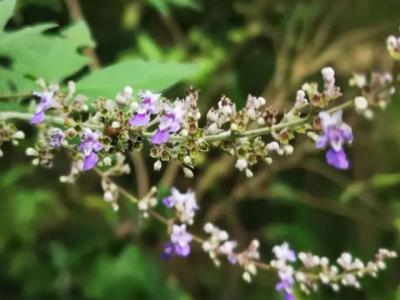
{"x": 56, "y": 5}
{"x": 12, "y": 176}
{"x": 138, "y": 74}
{"x": 164, "y": 6}
{"x": 385, "y": 180}
{"x": 130, "y": 275}
{"x": 148, "y": 47}
{"x": 6, "y": 10}
{"x": 34, "y": 55}
{"x": 79, "y": 35}
{"x": 352, "y": 191}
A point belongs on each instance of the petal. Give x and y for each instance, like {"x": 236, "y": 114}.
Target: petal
{"x": 90, "y": 161}
{"x": 169, "y": 201}
{"x": 325, "y": 119}
{"x": 337, "y": 117}
{"x": 182, "y": 250}
{"x": 37, "y": 118}
{"x": 289, "y": 296}
{"x": 169, "y": 251}
{"x": 97, "y": 146}
{"x": 160, "y": 137}
{"x": 337, "y": 159}
{"x": 321, "y": 142}
{"x": 140, "y": 120}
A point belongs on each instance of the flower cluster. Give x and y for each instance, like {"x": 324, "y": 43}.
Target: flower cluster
{"x": 9, "y": 133}
{"x": 335, "y": 134}
{"x": 283, "y": 256}
{"x": 89, "y": 147}
{"x": 218, "y": 244}
{"x": 98, "y": 136}
{"x": 179, "y": 244}
{"x": 185, "y": 205}
{"x": 46, "y": 101}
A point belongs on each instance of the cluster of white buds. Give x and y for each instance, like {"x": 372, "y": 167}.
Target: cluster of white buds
{"x": 9, "y": 133}
{"x": 185, "y": 205}
{"x": 280, "y": 149}
{"x": 253, "y": 109}
{"x": 76, "y": 168}
{"x": 242, "y": 165}
{"x": 147, "y": 202}
{"x": 126, "y": 97}
{"x": 247, "y": 259}
{"x": 217, "y": 117}
{"x": 111, "y": 193}
{"x": 347, "y": 272}
{"x": 218, "y": 244}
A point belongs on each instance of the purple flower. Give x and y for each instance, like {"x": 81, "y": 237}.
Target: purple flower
{"x": 147, "y": 107}
{"x": 56, "y": 137}
{"x": 89, "y": 147}
{"x": 184, "y": 203}
{"x": 284, "y": 253}
{"x": 170, "y": 123}
{"x": 46, "y": 102}
{"x": 335, "y": 135}
{"x": 286, "y": 283}
{"x": 179, "y": 244}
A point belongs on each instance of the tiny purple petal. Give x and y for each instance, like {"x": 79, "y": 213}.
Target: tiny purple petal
{"x": 37, "y": 118}
{"x": 90, "y": 161}
{"x": 140, "y": 120}
{"x": 337, "y": 159}
{"x": 160, "y": 137}
{"x": 289, "y": 296}
{"x": 169, "y": 251}
{"x": 182, "y": 250}
{"x": 321, "y": 142}
{"x": 169, "y": 201}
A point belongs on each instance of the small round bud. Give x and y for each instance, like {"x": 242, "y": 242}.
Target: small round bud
{"x": 187, "y": 160}
{"x": 360, "y": 103}
{"x": 328, "y": 74}
{"x": 241, "y": 164}
{"x": 115, "y": 124}
{"x": 188, "y": 173}
{"x": 107, "y": 161}
{"x": 249, "y": 173}
{"x": 31, "y": 152}
{"x": 157, "y": 165}
{"x": 19, "y": 135}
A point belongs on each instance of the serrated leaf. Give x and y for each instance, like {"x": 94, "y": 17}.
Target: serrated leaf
{"x": 6, "y": 11}
{"x": 138, "y": 74}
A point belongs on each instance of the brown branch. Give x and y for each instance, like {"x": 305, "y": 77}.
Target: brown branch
{"x": 141, "y": 174}
{"x": 76, "y": 14}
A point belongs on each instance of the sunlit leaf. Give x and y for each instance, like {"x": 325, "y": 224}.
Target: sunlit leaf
{"x": 138, "y": 74}
{"x": 6, "y": 10}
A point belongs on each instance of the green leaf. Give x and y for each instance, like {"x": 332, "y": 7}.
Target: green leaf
{"x": 6, "y": 11}
{"x": 352, "y": 191}
{"x": 385, "y": 180}
{"x": 34, "y": 55}
{"x": 163, "y": 6}
{"x": 138, "y": 74}
{"x": 79, "y": 35}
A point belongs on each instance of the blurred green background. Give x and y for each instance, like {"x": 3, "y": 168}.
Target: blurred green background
{"x": 64, "y": 242}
